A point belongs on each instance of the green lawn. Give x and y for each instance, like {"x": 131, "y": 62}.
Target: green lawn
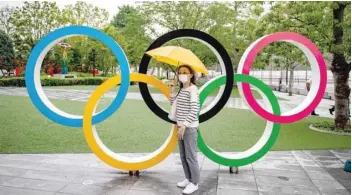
{"x": 135, "y": 88}
{"x": 133, "y": 128}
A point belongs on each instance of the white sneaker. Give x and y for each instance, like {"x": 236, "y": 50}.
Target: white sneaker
{"x": 183, "y": 183}
{"x": 190, "y": 188}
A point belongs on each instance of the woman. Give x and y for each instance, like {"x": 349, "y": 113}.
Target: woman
{"x": 187, "y": 109}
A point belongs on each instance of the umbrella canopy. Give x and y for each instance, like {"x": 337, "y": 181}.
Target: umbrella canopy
{"x": 178, "y": 56}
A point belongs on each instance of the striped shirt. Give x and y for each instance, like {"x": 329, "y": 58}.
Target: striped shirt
{"x": 187, "y": 107}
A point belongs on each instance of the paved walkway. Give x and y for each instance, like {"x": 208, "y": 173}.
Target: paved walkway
{"x": 83, "y": 95}
{"x": 283, "y": 172}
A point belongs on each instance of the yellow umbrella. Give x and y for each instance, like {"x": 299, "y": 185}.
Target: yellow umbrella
{"x": 178, "y": 56}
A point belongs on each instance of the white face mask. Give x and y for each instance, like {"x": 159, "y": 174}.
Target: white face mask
{"x": 183, "y": 78}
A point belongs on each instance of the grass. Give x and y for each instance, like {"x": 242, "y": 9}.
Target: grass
{"x": 135, "y": 88}
{"x": 133, "y": 128}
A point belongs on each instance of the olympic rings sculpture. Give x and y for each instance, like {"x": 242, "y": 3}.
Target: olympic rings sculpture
{"x": 271, "y": 112}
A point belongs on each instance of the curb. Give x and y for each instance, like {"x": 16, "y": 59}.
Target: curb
{"x": 330, "y": 132}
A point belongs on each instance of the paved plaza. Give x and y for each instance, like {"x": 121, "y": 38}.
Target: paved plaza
{"x": 281, "y": 172}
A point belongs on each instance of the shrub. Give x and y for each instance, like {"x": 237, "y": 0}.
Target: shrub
{"x": 43, "y": 74}
{"x": 20, "y": 81}
{"x": 330, "y": 126}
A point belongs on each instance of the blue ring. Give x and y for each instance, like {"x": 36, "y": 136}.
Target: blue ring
{"x": 77, "y": 30}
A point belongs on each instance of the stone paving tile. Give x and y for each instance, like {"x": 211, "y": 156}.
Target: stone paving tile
{"x": 49, "y": 176}
{"x": 207, "y": 161}
{"x": 224, "y": 191}
{"x": 27, "y": 158}
{"x": 77, "y": 170}
{"x": 162, "y": 177}
{"x": 319, "y": 153}
{"x": 274, "y": 185}
{"x": 212, "y": 167}
{"x": 279, "y": 155}
{"x": 86, "y": 174}
{"x": 207, "y": 186}
{"x": 346, "y": 184}
{"x": 291, "y": 161}
{"x": 239, "y": 185}
{"x": 118, "y": 181}
{"x": 34, "y": 184}
{"x": 341, "y": 151}
{"x": 341, "y": 155}
{"x": 82, "y": 163}
{"x": 248, "y": 169}
{"x": 320, "y": 175}
{"x": 18, "y": 164}
{"x": 156, "y": 186}
{"x": 317, "y": 172}
{"x": 300, "y": 155}
{"x": 277, "y": 164}
{"x": 300, "y": 174}
{"x": 141, "y": 192}
{"x": 309, "y": 163}
{"x": 330, "y": 187}
{"x": 53, "y": 159}
{"x": 330, "y": 164}
{"x": 116, "y": 191}
{"x": 286, "y": 190}
{"x": 79, "y": 156}
{"x": 10, "y": 171}
{"x": 84, "y": 189}
{"x": 4, "y": 190}
{"x": 4, "y": 179}
{"x": 237, "y": 177}
{"x": 208, "y": 174}
{"x": 44, "y": 155}
{"x": 344, "y": 178}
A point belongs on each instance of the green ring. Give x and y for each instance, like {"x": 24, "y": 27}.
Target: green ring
{"x": 210, "y": 153}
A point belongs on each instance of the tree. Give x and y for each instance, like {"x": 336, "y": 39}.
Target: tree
{"x": 6, "y": 19}
{"x": 339, "y": 67}
{"x": 83, "y": 13}
{"x": 325, "y": 23}
{"x": 31, "y": 22}
{"x": 76, "y": 59}
{"x": 132, "y": 32}
{"x": 6, "y": 50}
{"x": 120, "y": 19}
{"x": 227, "y": 21}
{"x": 91, "y": 59}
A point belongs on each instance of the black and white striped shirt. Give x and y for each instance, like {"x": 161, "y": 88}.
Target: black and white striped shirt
{"x": 187, "y": 107}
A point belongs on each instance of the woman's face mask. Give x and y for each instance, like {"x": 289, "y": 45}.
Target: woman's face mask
{"x": 183, "y": 78}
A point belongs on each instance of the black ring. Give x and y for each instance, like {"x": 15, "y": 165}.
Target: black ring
{"x": 143, "y": 67}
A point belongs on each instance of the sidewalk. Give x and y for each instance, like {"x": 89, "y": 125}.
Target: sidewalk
{"x": 281, "y": 172}
{"x": 293, "y": 101}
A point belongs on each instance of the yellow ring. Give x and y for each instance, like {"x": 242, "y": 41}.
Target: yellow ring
{"x": 108, "y": 156}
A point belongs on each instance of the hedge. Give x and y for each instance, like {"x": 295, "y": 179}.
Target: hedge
{"x": 20, "y": 81}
